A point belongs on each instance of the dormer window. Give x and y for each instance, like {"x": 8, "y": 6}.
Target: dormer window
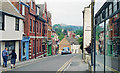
{"x": 32, "y": 4}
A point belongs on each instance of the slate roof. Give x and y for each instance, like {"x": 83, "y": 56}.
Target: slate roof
{"x": 7, "y": 7}
{"x": 49, "y": 14}
{"x": 72, "y": 41}
{"x": 42, "y": 8}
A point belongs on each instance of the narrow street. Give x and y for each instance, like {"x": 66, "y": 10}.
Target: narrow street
{"x": 54, "y": 63}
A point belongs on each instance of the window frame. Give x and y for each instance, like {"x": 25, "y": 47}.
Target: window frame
{"x": 3, "y": 21}
{"x": 37, "y": 26}
{"x": 40, "y": 46}
{"x": 115, "y": 4}
{"x": 32, "y": 4}
{"x": 33, "y": 47}
{"x": 30, "y": 25}
{"x": 23, "y": 10}
{"x": 33, "y": 26}
{"x": 17, "y": 24}
{"x": 40, "y": 27}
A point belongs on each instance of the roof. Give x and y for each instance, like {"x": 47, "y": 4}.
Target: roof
{"x": 48, "y": 14}
{"x": 8, "y": 8}
{"x": 42, "y": 8}
{"x": 72, "y": 41}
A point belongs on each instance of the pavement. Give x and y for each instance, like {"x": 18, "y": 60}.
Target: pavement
{"x": 78, "y": 65}
{"x": 60, "y": 63}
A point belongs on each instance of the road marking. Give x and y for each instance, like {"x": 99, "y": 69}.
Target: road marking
{"x": 63, "y": 67}
{"x": 109, "y": 68}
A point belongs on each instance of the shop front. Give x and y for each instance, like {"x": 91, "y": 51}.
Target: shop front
{"x": 107, "y": 39}
{"x": 49, "y": 48}
{"x": 25, "y": 49}
{"x": 44, "y": 47}
{"x": 11, "y": 45}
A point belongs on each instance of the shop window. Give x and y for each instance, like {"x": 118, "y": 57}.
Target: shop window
{"x": 40, "y": 46}
{"x": 33, "y": 47}
{"x": 24, "y": 50}
{"x": 37, "y": 45}
{"x": 10, "y": 46}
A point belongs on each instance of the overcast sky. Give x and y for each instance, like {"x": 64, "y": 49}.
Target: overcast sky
{"x": 68, "y": 11}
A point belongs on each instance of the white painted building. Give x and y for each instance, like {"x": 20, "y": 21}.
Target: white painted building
{"x": 11, "y": 29}
{"x": 75, "y": 48}
{"x": 86, "y": 27}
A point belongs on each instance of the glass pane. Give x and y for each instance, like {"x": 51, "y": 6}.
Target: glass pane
{"x": 24, "y": 50}
{"x": 112, "y": 45}
{"x": 100, "y": 47}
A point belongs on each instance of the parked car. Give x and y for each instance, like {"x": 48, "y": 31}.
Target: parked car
{"x": 65, "y": 50}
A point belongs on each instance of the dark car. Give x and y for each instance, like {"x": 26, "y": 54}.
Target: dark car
{"x": 65, "y": 50}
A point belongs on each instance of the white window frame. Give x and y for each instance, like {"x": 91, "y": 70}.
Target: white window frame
{"x": 23, "y": 10}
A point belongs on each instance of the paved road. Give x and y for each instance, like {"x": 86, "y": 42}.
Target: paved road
{"x": 47, "y": 64}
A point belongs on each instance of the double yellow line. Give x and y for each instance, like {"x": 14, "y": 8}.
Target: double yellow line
{"x": 64, "y": 66}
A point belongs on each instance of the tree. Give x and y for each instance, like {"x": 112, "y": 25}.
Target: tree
{"x": 80, "y": 41}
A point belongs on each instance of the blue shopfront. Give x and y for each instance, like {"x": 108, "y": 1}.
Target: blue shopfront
{"x": 25, "y": 48}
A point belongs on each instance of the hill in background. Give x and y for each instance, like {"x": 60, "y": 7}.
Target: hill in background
{"x": 67, "y": 27}
{"x": 78, "y": 30}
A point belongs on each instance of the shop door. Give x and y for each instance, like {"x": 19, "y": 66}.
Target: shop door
{"x": 24, "y": 51}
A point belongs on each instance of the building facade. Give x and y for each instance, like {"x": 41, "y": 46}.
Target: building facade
{"x": 55, "y": 42}
{"x": 11, "y": 29}
{"x": 49, "y": 33}
{"x": 71, "y": 43}
{"x": 34, "y": 39}
{"x": 107, "y": 40}
{"x": 86, "y": 29}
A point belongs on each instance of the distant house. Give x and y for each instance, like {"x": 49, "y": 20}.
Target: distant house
{"x": 71, "y": 43}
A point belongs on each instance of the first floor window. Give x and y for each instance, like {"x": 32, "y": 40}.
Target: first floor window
{"x": 33, "y": 26}
{"x": 1, "y": 21}
{"x": 17, "y": 24}
{"x": 40, "y": 28}
{"x": 30, "y": 25}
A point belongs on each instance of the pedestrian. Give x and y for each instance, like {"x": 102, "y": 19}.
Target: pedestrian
{"x": 5, "y": 57}
{"x": 13, "y": 58}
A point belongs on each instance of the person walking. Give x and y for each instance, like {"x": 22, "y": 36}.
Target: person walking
{"x": 13, "y": 58}
{"x": 5, "y": 57}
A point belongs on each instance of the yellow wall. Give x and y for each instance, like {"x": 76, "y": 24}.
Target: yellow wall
{"x": 64, "y": 43}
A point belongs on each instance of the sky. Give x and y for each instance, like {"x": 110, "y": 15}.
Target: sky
{"x": 68, "y": 11}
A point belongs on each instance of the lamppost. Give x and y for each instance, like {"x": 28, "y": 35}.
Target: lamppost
{"x": 92, "y": 35}
{"x": 92, "y": 28}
